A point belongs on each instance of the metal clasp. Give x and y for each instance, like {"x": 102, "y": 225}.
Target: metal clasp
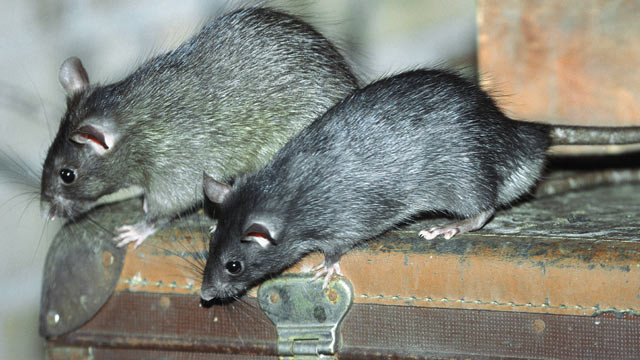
{"x": 306, "y": 316}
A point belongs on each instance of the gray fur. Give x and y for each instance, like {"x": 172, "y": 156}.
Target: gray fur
{"x": 421, "y": 141}
{"x": 223, "y": 102}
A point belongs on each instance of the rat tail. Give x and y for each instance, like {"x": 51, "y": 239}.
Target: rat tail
{"x": 594, "y": 135}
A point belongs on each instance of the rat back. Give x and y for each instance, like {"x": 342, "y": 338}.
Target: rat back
{"x": 223, "y": 102}
{"x": 418, "y": 142}
{"x": 421, "y": 141}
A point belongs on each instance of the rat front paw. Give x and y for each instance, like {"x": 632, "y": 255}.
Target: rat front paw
{"x": 134, "y": 234}
{"x": 327, "y": 271}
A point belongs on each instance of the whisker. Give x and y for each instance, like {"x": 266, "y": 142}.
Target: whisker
{"x": 42, "y": 233}
{"x": 96, "y": 224}
{"x": 29, "y": 194}
{"x": 40, "y": 103}
{"x": 23, "y": 198}
{"x": 238, "y": 334}
{"x": 253, "y": 312}
{"x": 192, "y": 271}
{"x": 18, "y": 167}
{"x": 24, "y": 209}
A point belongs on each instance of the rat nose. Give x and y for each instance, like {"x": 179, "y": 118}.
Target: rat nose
{"x": 48, "y": 210}
{"x": 206, "y": 293}
{"x": 45, "y": 209}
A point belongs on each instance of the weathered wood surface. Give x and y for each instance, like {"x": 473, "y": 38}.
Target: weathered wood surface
{"x": 560, "y": 255}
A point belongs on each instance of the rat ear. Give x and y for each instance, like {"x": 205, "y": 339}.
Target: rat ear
{"x": 215, "y": 191}
{"x": 261, "y": 234}
{"x": 87, "y": 134}
{"x": 99, "y": 137}
{"x": 72, "y": 76}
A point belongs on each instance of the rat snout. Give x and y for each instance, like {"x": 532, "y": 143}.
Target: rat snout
{"x": 216, "y": 289}
{"x": 207, "y": 294}
{"x": 210, "y": 288}
{"x": 51, "y": 208}
{"x": 46, "y": 210}
{"x": 54, "y": 207}
{"x": 210, "y": 291}
{"x": 58, "y": 206}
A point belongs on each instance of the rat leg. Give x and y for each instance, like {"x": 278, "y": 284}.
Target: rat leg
{"x": 453, "y": 229}
{"x": 138, "y": 232}
{"x": 329, "y": 267}
{"x": 328, "y": 271}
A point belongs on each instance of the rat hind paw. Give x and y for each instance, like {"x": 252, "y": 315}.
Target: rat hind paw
{"x": 327, "y": 271}
{"x": 453, "y": 229}
{"x": 449, "y": 231}
{"x": 134, "y": 233}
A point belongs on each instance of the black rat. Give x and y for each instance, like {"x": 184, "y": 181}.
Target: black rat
{"x": 223, "y": 101}
{"x": 421, "y": 141}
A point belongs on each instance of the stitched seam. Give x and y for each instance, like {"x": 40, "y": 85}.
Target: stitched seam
{"x": 497, "y": 303}
{"x": 140, "y": 282}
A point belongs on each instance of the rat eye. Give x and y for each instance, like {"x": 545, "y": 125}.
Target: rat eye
{"x": 67, "y": 175}
{"x": 233, "y": 267}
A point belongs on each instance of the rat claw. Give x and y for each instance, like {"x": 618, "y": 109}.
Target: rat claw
{"x": 124, "y": 242}
{"x": 124, "y": 228}
{"x": 429, "y": 235}
{"x": 447, "y": 231}
{"x": 450, "y": 230}
{"x": 328, "y": 272}
{"x": 317, "y": 267}
{"x": 135, "y": 234}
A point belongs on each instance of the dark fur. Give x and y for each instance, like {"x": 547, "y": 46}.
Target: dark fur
{"x": 224, "y": 102}
{"x": 419, "y": 141}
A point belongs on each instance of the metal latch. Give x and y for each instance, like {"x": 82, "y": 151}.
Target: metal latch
{"x": 306, "y": 316}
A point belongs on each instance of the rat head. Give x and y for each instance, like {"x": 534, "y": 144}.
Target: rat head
{"x": 246, "y": 246}
{"x": 72, "y": 176}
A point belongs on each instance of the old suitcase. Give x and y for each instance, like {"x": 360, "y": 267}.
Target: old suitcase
{"x": 553, "y": 278}
{"x": 556, "y": 277}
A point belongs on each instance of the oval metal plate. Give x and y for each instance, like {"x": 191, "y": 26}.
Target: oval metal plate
{"x": 82, "y": 268}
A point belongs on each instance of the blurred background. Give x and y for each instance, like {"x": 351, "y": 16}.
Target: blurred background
{"x": 112, "y": 38}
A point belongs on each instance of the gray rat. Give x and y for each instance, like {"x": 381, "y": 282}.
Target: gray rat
{"x": 422, "y": 141}
{"x": 223, "y": 101}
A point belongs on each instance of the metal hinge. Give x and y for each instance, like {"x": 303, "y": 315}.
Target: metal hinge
{"x": 306, "y": 316}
